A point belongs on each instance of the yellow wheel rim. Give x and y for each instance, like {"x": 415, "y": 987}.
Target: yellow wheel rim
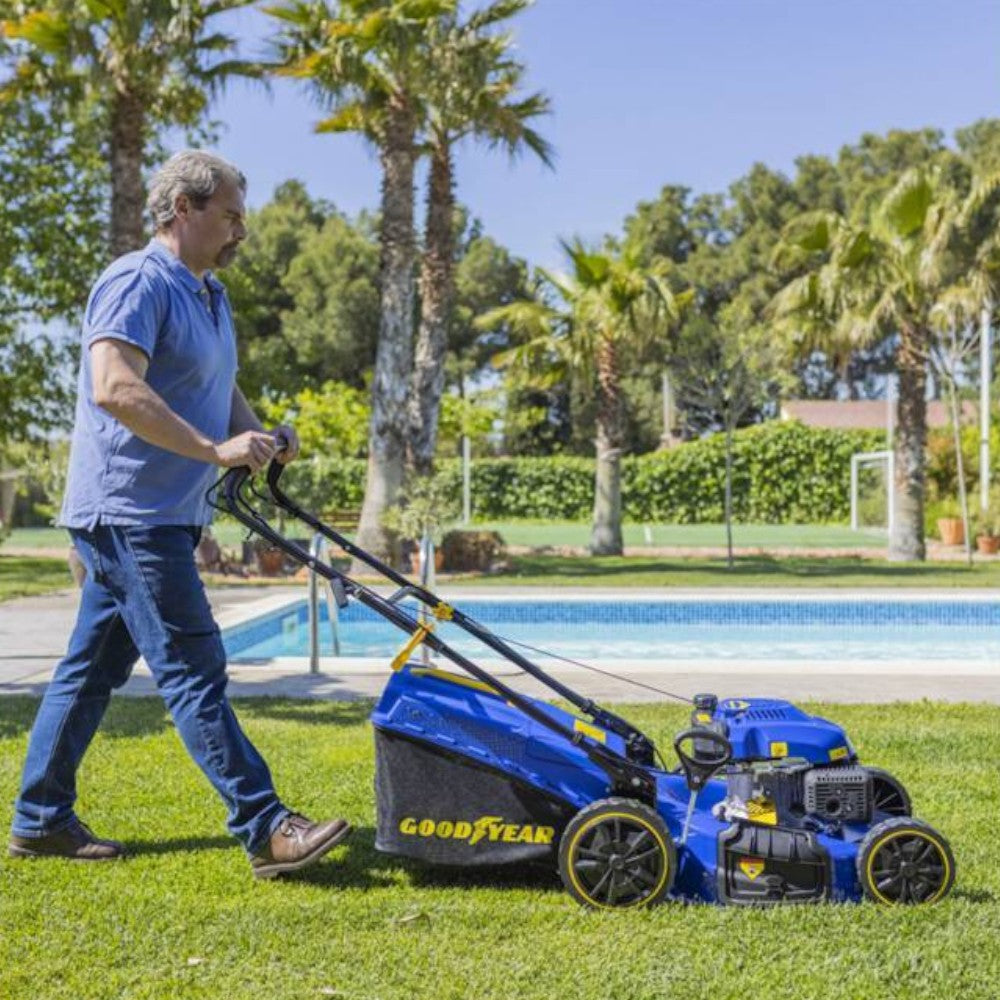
{"x": 658, "y": 844}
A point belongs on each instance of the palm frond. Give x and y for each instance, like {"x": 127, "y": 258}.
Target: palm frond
{"x": 47, "y": 31}
{"x": 903, "y": 210}
{"x": 500, "y": 10}
{"x": 530, "y": 317}
{"x": 353, "y": 117}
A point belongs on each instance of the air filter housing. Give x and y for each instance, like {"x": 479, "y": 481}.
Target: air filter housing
{"x": 843, "y": 794}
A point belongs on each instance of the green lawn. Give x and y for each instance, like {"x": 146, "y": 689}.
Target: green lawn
{"x": 183, "y": 918}
{"x": 748, "y": 571}
{"x": 538, "y": 533}
{"x": 22, "y": 576}
{"x": 818, "y": 536}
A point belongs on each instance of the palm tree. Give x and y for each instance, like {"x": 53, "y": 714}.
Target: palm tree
{"x": 360, "y": 58}
{"x": 608, "y": 303}
{"x": 925, "y": 246}
{"x": 139, "y": 65}
{"x": 471, "y": 85}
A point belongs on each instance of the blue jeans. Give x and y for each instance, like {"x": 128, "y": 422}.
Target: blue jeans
{"x": 143, "y": 596}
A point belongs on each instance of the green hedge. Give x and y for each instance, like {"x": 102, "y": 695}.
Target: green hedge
{"x": 783, "y": 472}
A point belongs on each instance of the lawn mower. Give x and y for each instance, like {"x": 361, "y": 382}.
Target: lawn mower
{"x": 768, "y": 805}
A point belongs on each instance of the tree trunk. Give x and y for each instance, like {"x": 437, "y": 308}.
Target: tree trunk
{"x": 128, "y": 126}
{"x": 963, "y": 493}
{"x": 394, "y": 354}
{"x": 728, "y": 507}
{"x": 606, "y": 534}
{"x": 436, "y": 296}
{"x": 907, "y": 541}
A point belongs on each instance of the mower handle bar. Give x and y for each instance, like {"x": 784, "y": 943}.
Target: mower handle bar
{"x": 626, "y": 777}
{"x": 640, "y": 746}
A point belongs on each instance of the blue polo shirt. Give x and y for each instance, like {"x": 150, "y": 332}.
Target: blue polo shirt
{"x": 185, "y": 327}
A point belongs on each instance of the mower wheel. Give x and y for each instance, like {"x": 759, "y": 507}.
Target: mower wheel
{"x": 905, "y": 861}
{"x": 617, "y": 854}
{"x": 888, "y": 794}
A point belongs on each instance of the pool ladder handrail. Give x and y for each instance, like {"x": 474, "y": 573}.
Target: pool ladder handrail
{"x": 426, "y": 576}
{"x": 319, "y": 549}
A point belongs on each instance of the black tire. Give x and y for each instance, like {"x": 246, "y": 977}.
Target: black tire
{"x": 888, "y": 794}
{"x": 617, "y": 854}
{"x": 905, "y": 861}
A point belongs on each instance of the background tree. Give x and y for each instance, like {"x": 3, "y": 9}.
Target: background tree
{"x": 358, "y": 58}
{"x": 471, "y": 89}
{"x": 605, "y": 302}
{"x": 863, "y": 283}
{"x": 258, "y": 293}
{"x": 304, "y": 290}
{"x": 139, "y": 67}
{"x": 331, "y": 420}
{"x": 51, "y": 244}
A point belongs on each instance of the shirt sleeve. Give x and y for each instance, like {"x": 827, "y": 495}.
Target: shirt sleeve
{"x": 130, "y": 306}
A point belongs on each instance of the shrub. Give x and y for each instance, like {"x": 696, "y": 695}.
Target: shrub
{"x": 782, "y": 472}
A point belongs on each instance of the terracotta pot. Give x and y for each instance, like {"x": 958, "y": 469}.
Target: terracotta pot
{"x": 988, "y": 545}
{"x": 271, "y": 561}
{"x": 951, "y": 530}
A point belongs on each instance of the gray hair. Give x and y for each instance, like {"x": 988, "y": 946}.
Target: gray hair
{"x": 191, "y": 172}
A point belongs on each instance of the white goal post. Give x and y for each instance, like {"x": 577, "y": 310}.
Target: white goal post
{"x": 863, "y": 459}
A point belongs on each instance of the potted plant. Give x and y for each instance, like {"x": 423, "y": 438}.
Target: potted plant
{"x": 425, "y": 509}
{"x": 950, "y": 526}
{"x": 986, "y": 526}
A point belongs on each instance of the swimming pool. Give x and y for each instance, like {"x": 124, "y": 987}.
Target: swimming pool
{"x": 764, "y": 629}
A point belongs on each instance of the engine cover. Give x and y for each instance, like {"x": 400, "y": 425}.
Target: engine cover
{"x": 772, "y": 729}
{"x": 841, "y": 794}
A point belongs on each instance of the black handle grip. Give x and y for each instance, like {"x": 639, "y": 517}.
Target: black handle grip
{"x": 710, "y": 751}
{"x": 276, "y": 468}
{"x": 274, "y": 471}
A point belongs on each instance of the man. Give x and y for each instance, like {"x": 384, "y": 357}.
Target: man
{"x": 158, "y": 410}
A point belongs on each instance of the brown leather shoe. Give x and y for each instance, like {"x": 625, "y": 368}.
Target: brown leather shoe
{"x": 76, "y": 841}
{"x": 297, "y": 842}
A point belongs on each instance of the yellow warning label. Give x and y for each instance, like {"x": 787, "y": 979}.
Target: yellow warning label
{"x": 751, "y": 867}
{"x": 838, "y": 753}
{"x": 762, "y": 811}
{"x": 588, "y": 730}
{"x": 779, "y": 749}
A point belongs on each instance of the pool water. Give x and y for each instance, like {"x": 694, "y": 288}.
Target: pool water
{"x": 665, "y": 630}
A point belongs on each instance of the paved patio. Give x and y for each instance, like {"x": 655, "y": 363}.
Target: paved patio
{"x": 34, "y": 632}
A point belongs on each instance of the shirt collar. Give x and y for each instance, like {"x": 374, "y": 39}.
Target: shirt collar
{"x": 180, "y": 270}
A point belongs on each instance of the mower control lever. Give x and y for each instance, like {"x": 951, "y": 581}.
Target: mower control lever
{"x": 702, "y": 753}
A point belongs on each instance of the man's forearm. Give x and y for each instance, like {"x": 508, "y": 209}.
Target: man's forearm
{"x": 241, "y": 416}
{"x": 145, "y": 413}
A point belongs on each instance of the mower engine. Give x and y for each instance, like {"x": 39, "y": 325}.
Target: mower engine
{"x": 793, "y": 769}
{"x": 797, "y": 794}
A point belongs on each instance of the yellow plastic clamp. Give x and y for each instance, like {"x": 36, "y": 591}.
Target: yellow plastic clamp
{"x": 423, "y": 630}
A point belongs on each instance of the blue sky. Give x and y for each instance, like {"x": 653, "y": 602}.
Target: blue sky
{"x": 649, "y": 92}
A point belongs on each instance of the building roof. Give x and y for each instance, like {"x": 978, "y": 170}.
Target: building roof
{"x": 862, "y": 414}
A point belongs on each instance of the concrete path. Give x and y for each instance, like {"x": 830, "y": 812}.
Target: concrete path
{"x": 34, "y": 632}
